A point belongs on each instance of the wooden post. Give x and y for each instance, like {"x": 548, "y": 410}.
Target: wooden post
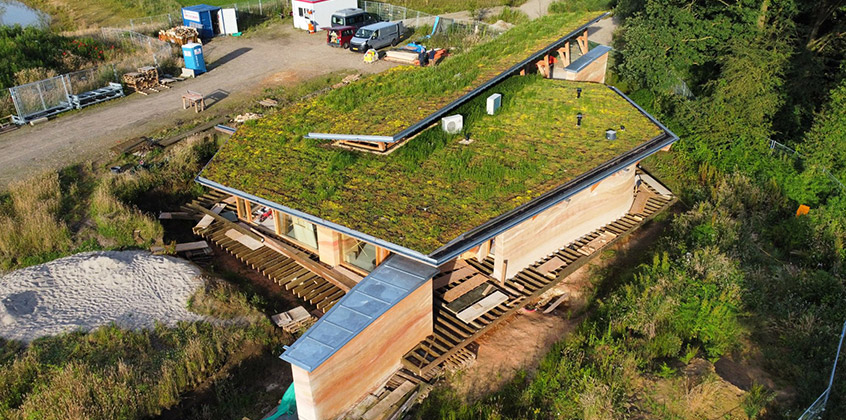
{"x": 504, "y": 269}
{"x": 583, "y": 42}
{"x": 484, "y": 250}
{"x": 381, "y": 255}
{"x": 248, "y": 211}
{"x": 277, "y": 222}
{"x": 329, "y": 246}
{"x": 239, "y": 205}
{"x": 564, "y": 55}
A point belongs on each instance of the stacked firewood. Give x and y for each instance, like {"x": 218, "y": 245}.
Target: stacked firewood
{"x": 180, "y": 35}
{"x": 145, "y": 78}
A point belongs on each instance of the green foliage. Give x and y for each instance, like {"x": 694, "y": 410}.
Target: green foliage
{"x": 825, "y": 143}
{"x": 449, "y": 6}
{"x": 29, "y": 48}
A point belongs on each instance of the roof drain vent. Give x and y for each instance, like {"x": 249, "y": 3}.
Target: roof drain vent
{"x": 611, "y": 135}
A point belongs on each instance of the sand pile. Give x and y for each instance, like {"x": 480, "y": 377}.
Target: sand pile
{"x": 133, "y": 289}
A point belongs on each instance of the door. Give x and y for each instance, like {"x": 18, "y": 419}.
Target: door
{"x": 228, "y": 21}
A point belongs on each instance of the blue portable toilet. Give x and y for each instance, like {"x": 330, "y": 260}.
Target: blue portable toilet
{"x": 204, "y": 18}
{"x": 193, "y": 54}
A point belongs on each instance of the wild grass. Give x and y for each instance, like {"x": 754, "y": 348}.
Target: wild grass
{"x": 85, "y": 207}
{"x": 112, "y": 373}
{"x": 449, "y": 6}
{"x": 510, "y": 15}
{"x": 568, "y": 6}
{"x": 31, "y": 225}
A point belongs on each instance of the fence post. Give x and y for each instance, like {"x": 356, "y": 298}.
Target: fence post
{"x": 170, "y": 20}
{"x": 261, "y": 10}
{"x": 114, "y": 71}
{"x": 131, "y": 24}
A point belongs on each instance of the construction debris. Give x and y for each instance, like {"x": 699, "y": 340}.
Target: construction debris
{"x": 347, "y": 80}
{"x": 269, "y": 103}
{"x": 240, "y": 119}
{"x": 180, "y": 35}
{"x": 144, "y": 80}
{"x": 412, "y": 55}
{"x": 291, "y": 321}
{"x": 134, "y": 145}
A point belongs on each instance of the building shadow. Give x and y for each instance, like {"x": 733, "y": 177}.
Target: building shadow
{"x": 229, "y": 57}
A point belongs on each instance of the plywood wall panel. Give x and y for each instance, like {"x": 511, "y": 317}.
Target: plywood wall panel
{"x": 563, "y": 223}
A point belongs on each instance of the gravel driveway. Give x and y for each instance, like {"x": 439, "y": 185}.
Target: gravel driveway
{"x": 240, "y": 68}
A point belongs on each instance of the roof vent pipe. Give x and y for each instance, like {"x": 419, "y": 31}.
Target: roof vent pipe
{"x": 578, "y": 93}
{"x": 611, "y": 135}
{"x": 579, "y": 119}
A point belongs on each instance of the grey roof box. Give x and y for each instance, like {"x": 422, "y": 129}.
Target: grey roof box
{"x": 386, "y": 286}
{"x": 585, "y": 60}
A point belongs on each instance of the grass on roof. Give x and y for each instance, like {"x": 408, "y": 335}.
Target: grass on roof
{"x": 392, "y": 101}
{"x": 432, "y": 189}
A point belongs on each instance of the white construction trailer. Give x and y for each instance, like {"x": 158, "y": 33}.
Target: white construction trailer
{"x": 318, "y": 11}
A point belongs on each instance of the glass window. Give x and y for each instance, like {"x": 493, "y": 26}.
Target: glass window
{"x": 300, "y": 230}
{"x": 358, "y": 253}
{"x": 363, "y": 33}
{"x": 302, "y": 12}
{"x": 337, "y": 20}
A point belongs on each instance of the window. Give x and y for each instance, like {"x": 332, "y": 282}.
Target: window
{"x": 337, "y": 20}
{"x": 358, "y": 254}
{"x": 302, "y": 12}
{"x": 299, "y": 230}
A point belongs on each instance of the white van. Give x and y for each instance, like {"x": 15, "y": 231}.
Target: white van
{"x": 376, "y": 36}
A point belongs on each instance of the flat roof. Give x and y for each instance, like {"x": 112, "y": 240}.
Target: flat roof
{"x": 433, "y": 190}
{"x": 392, "y": 106}
{"x": 386, "y": 286}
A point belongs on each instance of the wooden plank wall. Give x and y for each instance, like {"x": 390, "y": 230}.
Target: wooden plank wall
{"x": 367, "y": 361}
{"x": 563, "y": 223}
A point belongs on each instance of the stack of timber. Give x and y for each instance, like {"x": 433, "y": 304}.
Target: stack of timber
{"x": 7, "y": 124}
{"x": 412, "y": 56}
{"x": 144, "y": 80}
{"x": 180, "y": 35}
{"x": 452, "y": 334}
{"x": 293, "y": 320}
{"x": 112, "y": 91}
{"x": 250, "y": 248}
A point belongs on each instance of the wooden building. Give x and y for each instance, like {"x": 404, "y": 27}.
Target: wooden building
{"x": 414, "y": 253}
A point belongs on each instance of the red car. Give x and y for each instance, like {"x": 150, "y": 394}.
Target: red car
{"x": 339, "y": 36}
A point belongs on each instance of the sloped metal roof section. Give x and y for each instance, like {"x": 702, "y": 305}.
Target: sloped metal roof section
{"x": 374, "y": 295}
{"x": 580, "y": 63}
{"x": 433, "y": 117}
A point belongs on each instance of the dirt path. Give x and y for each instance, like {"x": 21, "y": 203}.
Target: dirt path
{"x": 240, "y": 68}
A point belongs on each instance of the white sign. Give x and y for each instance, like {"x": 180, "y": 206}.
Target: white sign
{"x": 191, "y": 15}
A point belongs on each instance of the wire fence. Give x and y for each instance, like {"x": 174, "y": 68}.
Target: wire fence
{"x": 48, "y": 97}
{"x": 416, "y": 18}
{"x": 774, "y": 145}
{"x": 817, "y": 408}
{"x": 253, "y": 8}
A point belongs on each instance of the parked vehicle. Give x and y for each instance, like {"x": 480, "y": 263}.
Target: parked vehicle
{"x": 353, "y": 17}
{"x": 376, "y": 36}
{"x": 339, "y": 36}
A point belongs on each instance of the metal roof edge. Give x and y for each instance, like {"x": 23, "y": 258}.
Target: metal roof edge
{"x": 388, "y": 265}
{"x": 406, "y": 252}
{"x": 516, "y": 216}
{"x": 585, "y": 60}
{"x": 351, "y": 137}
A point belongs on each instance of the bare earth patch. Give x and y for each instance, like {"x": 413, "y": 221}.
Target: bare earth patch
{"x": 133, "y": 289}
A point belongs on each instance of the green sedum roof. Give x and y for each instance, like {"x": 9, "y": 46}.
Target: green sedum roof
{"x": 432, "y": 189}
{"x": 388, "y": 103}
